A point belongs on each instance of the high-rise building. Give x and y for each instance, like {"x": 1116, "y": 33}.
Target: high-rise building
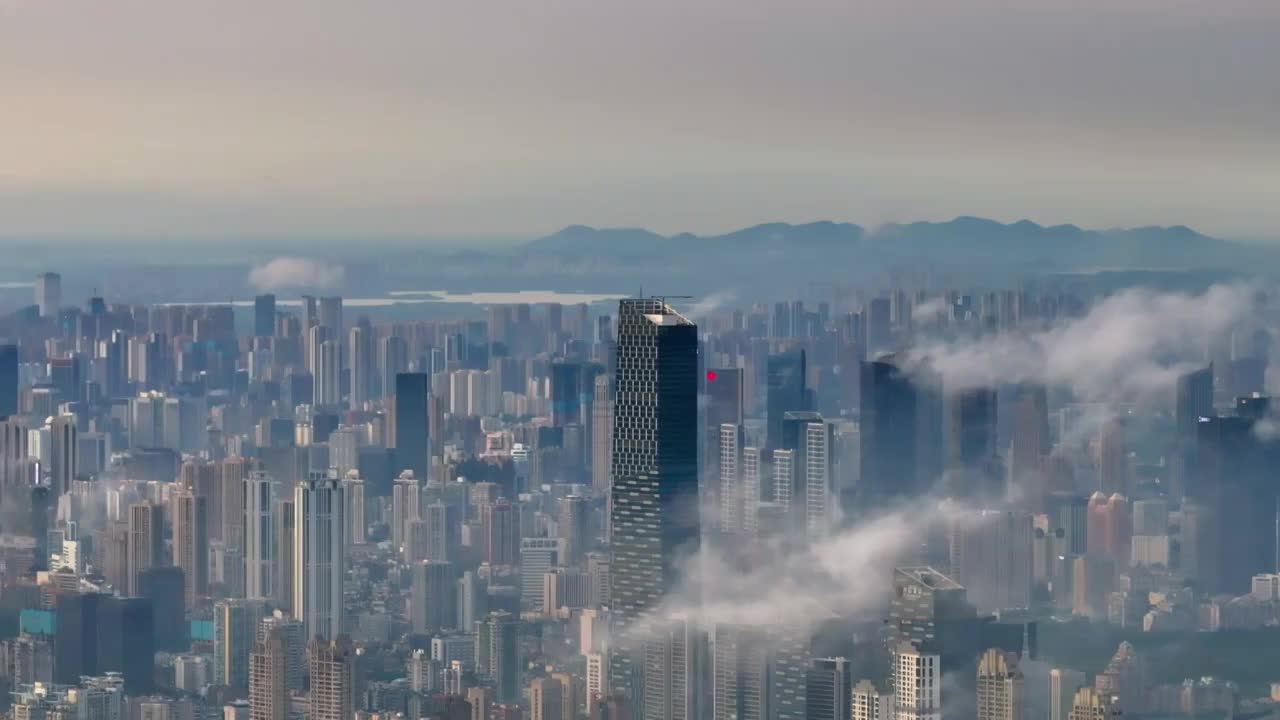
{"x": 264, "y": 315}
{"x": 734, "y": 503}
{"x": 724, "y": 406}
{"x": 991, "y": 556}
{"x": 332, "y": 679}
{"x": 330, "y": 315}
{"x": 1113, "y": 459}
{"x": 917, "y": 683}
{"x": 235, "y": 627}
{"x": 146, "y": 541}
{"x": 260, "y": 550}
{"x": 1063, "y": 684}
{"x": 294, "y": 642}
{"x": 49, "y": 294}
{"x": 740, "y": 684}
{"x": 1193, "y": 400}
{"x": 327, "y": 374}
{"x": 353, "y": 490}
{"x": 972, "y": 465}
{"x": 828, "y": 689}
{"x": 1000, "y": 690}
{"x": 360, "y": 365}
{"x": 871, "y": 703}
{"x": 319, "y": 552}
{"x": 413, "y": 445}
{"x": 894, "y": 427}
{"x": 63, "y": 457}
{"x": 654, "y": 514}
{"x": 675, "y": 666}
{"x": 545, "y": 696}
{"x": 602, "y": 436}
{"x": 191, "y": 543}
{"x": 285, "y": 523}
{"x": 393, "y": 359}
{"x": 1089, "y": 704}
{"x": 573, "y": 524}
{"x": 500, "y": 639}
{"x": 8, "y": 380}
{"x": 268, "y": 688}
{"x": 787, "y": 391}
{"x": 500, "y": 526}
{"x": 433, "y": 599}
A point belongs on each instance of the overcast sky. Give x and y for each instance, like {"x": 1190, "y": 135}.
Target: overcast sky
{"x": 430, "y": 117}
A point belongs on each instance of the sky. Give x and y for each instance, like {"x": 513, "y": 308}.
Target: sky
{"x": 170, "y": 119}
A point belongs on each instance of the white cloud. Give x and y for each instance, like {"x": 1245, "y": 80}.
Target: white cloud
{"x": 284, "y": 273}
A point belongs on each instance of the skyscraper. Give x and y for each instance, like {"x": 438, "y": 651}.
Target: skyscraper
{"x": 268, "y": 687}
{"x": 602, "y": 435}
{"x": 786, "y": 392}
{"x": 971, "y": 445}
{"x": 327, "y": 374}
{"x": 8, "y": 380}
{"x": 654, "y": 514}
{"x": 332, "y": 679}
{"x": 828, "y": 689}
{"x": 393, "y": 359}
{"x": 63, "y": 457}
{"x": 1193, "y": 400}
{"x": 191, "y": 543}
{"x": 319, "y": 552}
{"x": 1063, "y": 684}
{"x": 917, "y": 683}
{"x": 898, "y": 422}
{"x": 433, "y": 599}
{"x": 1000, "y": 691}
{"x": 360, "y": 365}
{"x": 740, "y": 685}
{"x": 675, "y": 662}
{"x": 49, "y": 293}
{"x": 146, "y": 541}
{"x": 264, "y": 315}
{"x": 413, "y": 447}
{"x": 1089, "y": 704}
{"x": 353, "y": 490}
{"x": 260, "y": 537}
{"x": 235, "y": 624}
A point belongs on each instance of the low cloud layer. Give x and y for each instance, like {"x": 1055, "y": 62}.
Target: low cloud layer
{"x": 284, "y": 273}
{"x": 1127, "y": 347}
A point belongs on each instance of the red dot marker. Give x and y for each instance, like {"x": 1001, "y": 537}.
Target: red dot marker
{"x": 711, "y": 374}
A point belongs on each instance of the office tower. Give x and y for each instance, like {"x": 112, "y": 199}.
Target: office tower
{"x": 1029, "y": 446}
{"x": 14, "y": 465}
{"x": 1063, "y": 684}
{"x": 602, "y": 436}
{"x": 889, "y": 433}
{"x": 790, "y": 661}
{"x": 413, "y": 446}
{"x": 675, "y": 661}
{"x": 654, "y": 514}
{"x": 314, "y": 339}
{"x": 406, "y": 505}
{"x": 786, "y": 392}
{"x": 828, "y": 689}
{"x": 870, "y": 703}
{"x": 127, "y": 642}
{"x": 723, "y": 390}
{"x": 991, "y": 557}
{"x": 566, "y": 393}
{"x": 235, "y": 624}
{"x": 264, "y": 315}
{"x": 573, "y": 523}
{"x": 537, "y": 557}
{"x": 820, "y": 500}
{"x": 500, "y": 635}
{"x": 1113, "y": 459}
{"x": 330, "y": 315}
{"x": 165, "y": 587}
{"x": 294, "y": 642}
{"x": 752, "y": 489}
{"x": 360, "y": 364}
{"x": 260, "y": 536}
{"x": 545, "y": 696}
{"x": 285, "y": 526}
{"x": 8, "y": 380}
{"x": 49, "y": 294}
{"x": 917, "y": 683}
{"x": 146, "y": 541}
{"x": 319, "y": 552}
{"x": 1089, "y": 704}
{"x": 62, "y": 457}
{"x": 268, "y": 688}
{"x": 191, "y": 544}
{"x": 434, "y": 596}
{"x": 443, "y": 532}
{"x": 327, "y": 374}
{"x": 1193, "y": 400}
{"x": 972, "y": 465}
{"x": 740, "y": 683}
{"x": 1000, "y": 691}
{"x": 75, "y": 644}
{"x": 733, "y": 497}
{"x": 500, "y": 528}
{"x": 332, "y": 679}
{"x": 393, "y": 359}
{"x": 353, "y": 490}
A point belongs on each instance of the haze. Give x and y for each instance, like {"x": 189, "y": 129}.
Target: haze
{"x": 154, "y": 119}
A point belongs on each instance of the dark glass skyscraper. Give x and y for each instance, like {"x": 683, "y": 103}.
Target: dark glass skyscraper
{"x": 786, "y": 392}
{"x": 413, "y": 447}
{"x": 8, "y": 380}
{"x": 264, "y": 315}
{"x": 901, "y": 435}
{"x": 654, "y": 509}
